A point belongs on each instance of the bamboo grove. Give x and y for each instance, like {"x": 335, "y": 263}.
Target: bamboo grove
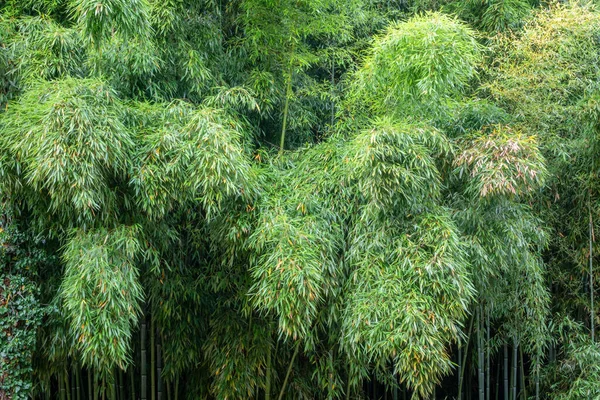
{"x": 299, "y": 199}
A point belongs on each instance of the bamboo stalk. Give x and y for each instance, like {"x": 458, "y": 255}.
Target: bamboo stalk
{"x": 152, "y": 358}
{"x": 288, "y": 95}
{"x": 591, "y": 235}
{"x": 505, "y": 372}
{"x": 487, "y": 355}
{"x": 176, "y": 388}
{"x": 514, "y": 374}
{"x": 90, "y": 384}
{"x": 268, "y": 374}
{"x": 289, "y": 371}
{"x": 159, "y": 371}
{"x": 524, "y": 387}
{"x": 144, "y": 382}
{"x": 459, "y": 397}
{"x": 464, "y": 362}
{"x": 78, "y": 380}
{"x": 132, "y": 382}
{"x": 480, "y": 359}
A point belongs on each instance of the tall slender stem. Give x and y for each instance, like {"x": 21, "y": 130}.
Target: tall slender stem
{"x": 514, "y": 374}
{"x": 464, "y": 361}
{"x": 487, "y": 353}
{"x": 591, "y": 272}
{"x": 505, "y": 372}
{"x": 152, "y": 357}
{"x": 524, "y": 387}
{"x": 480, "y": 359}
{"x": 289, "y": 371}
{"x": 268, "y": 373}
{"x": 144, "y": 378}
{"x": 288, "y": 95}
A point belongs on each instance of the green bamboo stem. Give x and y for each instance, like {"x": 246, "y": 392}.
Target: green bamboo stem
{"x": 288, "y": 95}
{"x": 524, "y": 387}
{"x": 514, "y": 374}
{"x": 132, "y": 382}
{"x": 159, "y": 372}
{"x": 144, "y": 377}
{"x": 591, "y": 237}
{"x": 152, "y": 358}
{"x": 268, "y": 374}
{"x": 505, "y": 372}
{"x": 90, "y": 384}
{"x": 487, "y": 359}
{"x": 464, "y": 361}
{"x": 480, "y": 359}
{"x": 289, "y": 371}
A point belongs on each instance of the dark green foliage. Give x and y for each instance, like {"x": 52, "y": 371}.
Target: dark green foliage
{"x": 298, "y": 199}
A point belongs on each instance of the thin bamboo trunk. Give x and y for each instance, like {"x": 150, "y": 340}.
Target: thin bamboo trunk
{"x": 152, "y": 358}
{"x": 73, "y": 383}
{"x": 288, "y": 95}
{"x": 268, "y": 374}
{"x": 159, "y": 371}
{"x": 464, "y": 361}
{"x": 514, "y": 374}
{"x": 505, "y": 372}
{"x": 96, "y": 392}
{"x": 592, "y": 317}
{"x": 480, "y": 358}
{"x": 78, "y": 381}
{"x": 61, "y": 387}
{"x": 132, "y": 382}
{"x": 176, "y": 388}
{"x": 144, "y": 378}
{"x": 523, "y": 386}
{"x": 537, "y": 378}
{"x": 90, "y": 384}
{"x": 121, "y": 385}
{"x": 289, "y": 371}
{"x": 487, "y": 358}
{"x": 498, "y": 381}
{"x": 459, "y": 397}
{"x": 332, "y": 90}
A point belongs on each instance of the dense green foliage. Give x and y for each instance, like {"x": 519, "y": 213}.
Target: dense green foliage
{"x": 302, "y": 199}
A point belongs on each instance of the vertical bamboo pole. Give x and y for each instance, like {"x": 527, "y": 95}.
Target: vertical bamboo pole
{"x": 487, "y": 361}
{"x": 144, "y": 378}
{"x": 459, "y": 396}
{"x": 268, "y": 373}
{"x": 505, "y": 372}
{"x": 289, "y": 371}
{"x": 523, "y": 386}
{"x": 288, "y": 95}
{"x": 159, "y": 371}
{"x": 514, "y": 374}
{"x": 152, "y": 357}
{"x": 591, "y": 235}
{"x": 480, "y": 360}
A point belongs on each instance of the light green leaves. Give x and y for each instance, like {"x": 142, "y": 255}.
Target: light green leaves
{"x": 99, "y": 20}
{"x": 69, "y": 146}
{"x": 101, "y": 294}
{"x": 421, "y": 61}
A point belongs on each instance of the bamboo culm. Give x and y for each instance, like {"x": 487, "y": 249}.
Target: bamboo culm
{"x": 289, "y": 371}
{"x": 144, "y": 379}
{"x": 514, "y": 374}
{"x": 505, "y": 372}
